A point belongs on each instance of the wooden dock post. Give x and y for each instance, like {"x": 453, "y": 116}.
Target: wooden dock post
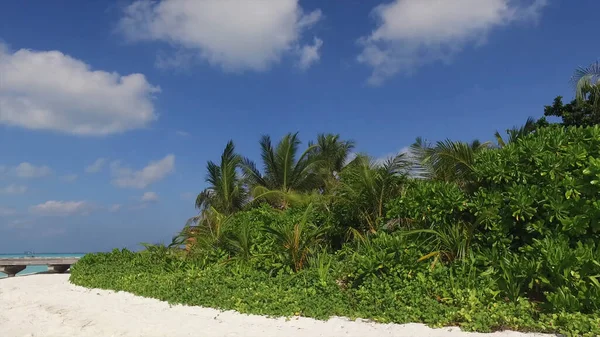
{"x": 11, "y": 270}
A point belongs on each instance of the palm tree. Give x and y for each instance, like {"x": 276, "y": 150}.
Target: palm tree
{"x": 226, "y": 193}
{"x": 447, "y": 160}
{"x": 367, "y": 185}
{"x": 587, "y": 83}
{"x": 333, "y": 153}
{"x": 286, "y": 175}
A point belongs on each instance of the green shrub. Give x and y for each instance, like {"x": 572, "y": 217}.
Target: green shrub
{"x": 381, "y": 255}
{"x": 542, "y": 184}
{"x": 427, "y": 204}
{"x": 567, "y": 276}
{"x": 538, "y": 206}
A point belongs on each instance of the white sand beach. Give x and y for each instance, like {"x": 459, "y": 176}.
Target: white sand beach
{"x": 48, "y": 305}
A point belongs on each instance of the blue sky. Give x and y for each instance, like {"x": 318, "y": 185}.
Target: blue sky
{"x": 149, "y": 91}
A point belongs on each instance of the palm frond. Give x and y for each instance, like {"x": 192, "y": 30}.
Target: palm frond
{"x": 240, "y": 242}
{"x": 450, "y": 243}
{"x": 203, "y": 199}
{"x": 333, "y": 151}
{"x": 367, "y": 186}
{"x": 517, "y": 132}
{"x": 420, "y": 153}
{"x": 296, "y": 240}
{"x": 270, "y": 166}
{"x": 587, "y": 83}
{"x": 447, "y": 160}
{"x": 499, "y": 140}
{"x": 397, "y": 164}
{"x": 252, "y": 174}
{"x": 285, "y": 154}
{"x": 285, "y": 174}
{"x": 225, "y": 191}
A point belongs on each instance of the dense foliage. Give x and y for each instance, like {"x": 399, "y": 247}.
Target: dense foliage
{"x": 488, "y": 238}
{"x": 574, "y": 113}
{"x": 584, "y": 110}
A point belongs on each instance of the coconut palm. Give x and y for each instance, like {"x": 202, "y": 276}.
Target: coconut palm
{"x": 225, "y": 193}
{"x": 367, "y": 185}
{"x": 333, "y": 152}
{"x": 447, "y": 160}
{"x": 587, "y": 83}
{"x": 286, "y": 173}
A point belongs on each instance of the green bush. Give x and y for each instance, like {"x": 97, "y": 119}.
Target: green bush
{"x": 565, "y": 278}
{"x": 543, "y": 184}
{"x": 427, "y": 204}
{"x": 538, "y": 204}
{"x": 534, "y": 216}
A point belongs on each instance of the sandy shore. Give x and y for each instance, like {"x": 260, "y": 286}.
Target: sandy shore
{"x": 49, "y": 306}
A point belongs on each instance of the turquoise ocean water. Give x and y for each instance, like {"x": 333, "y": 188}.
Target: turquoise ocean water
{"x": 36, "y": 269}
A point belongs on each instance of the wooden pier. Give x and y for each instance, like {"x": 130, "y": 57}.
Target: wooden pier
{"x": 55, "y": 264}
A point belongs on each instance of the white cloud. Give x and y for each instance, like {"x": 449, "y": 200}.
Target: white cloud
{"x": 53, "y": 207}
{"x": 411, "y": 33}
{"x": 153, "y": 172}
{"x": 182, "y": 133}
{"x": 69, "y": 178}
{"x": 236, "y": 35}
{"x": 96, "y": 166}
{"x": 13, "y": 189}
{"x": 149, "y": 197}
{"x": 53, "y": 91}
{"x": 28, "y": 170}
{"x": 5, "y": 211}
{"x": 114, "y": 208}
{"x": 310, "y": 54}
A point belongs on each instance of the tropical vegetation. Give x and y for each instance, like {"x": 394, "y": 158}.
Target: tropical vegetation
{"x": 584, "y": 110}
{"x": 484, "y": 235}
